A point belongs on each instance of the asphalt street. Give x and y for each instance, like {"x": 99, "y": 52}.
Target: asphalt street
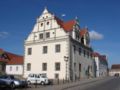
{"x": 111, "y": 84}
{"x": 106, "y": 84}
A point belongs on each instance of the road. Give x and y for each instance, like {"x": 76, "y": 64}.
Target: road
{"x": 106, "y": 84}
{"x": 111, "y": 84}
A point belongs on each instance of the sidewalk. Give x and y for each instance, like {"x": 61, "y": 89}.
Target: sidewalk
{"x": 77, "y": 83}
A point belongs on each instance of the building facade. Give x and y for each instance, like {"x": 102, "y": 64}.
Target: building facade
{"x": 101, "y": 64}
{"x": 3, "y": 61}
{"x": 115, "y": 69}
{"x": 58, "y": 49}
{"x": 15, "y": 65}
{"x": 10, "y": 63}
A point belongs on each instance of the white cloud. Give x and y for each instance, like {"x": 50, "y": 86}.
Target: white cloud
{"x": 95, "y": 35}
{"x": 63, "y": 15}
{"x": 4, "y": 34}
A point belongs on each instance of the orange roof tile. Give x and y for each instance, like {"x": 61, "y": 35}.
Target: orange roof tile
{"x": 83, "y": 31}
{"x": 10, "y": 58}
{"x": 14, "y": 59}
{"x": 3, "y": 60}
{"x": 67, "y": 26}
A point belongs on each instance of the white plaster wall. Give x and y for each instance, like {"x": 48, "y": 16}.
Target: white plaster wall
{"x": 84, "y": 61}
{"x": 37, "y": 58}
{"x": 113, "y": 72}
{"x": 97, "y": 66}
{"x": 13, "y": 70}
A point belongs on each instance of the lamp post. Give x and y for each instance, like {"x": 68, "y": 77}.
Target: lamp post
{"x": 66, "y": 60}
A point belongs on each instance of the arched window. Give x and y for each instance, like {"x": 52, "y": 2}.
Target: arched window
{"x": 47, "y": 23}
{"x": 41, "y": 24}
{"x": 82, "y": 40}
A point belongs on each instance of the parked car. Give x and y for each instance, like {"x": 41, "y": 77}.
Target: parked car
{"x": 37, "y": 79}
{"x": 116, "y": 75}
{"x": 11, "y": 81}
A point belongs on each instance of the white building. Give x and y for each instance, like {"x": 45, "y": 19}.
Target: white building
{"x": 14, "y": 65}
{"x": 59, "y": 49}
{"x": 10, "y": 63}
{"x": 101, "y": 65}
{"x": 115, "y": 69}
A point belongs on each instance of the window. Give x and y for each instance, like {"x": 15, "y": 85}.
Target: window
{"x": 10, "y": 68}
{"x": 56, "y": 76}
{"x": 47, "y": 23}
{"x": 41, "y": 36}
{"x": 57, "y": 48}
{"x": 17, "y": 68}
{"x": 28, "y": 67}
{"x": 84, "y": 53}
{"x": 44, "y": 66}
{"x": 57, "y": 66}
{"x": 47, "y": 35}
{"x": 80, "y": 51}
{"x": 29, "y": 51}
{"x": 80, "y": 67}
{"x": 75, "y": 66}
{"x": 44, "y": 49}
{"x": 74, "y": 47}
{"x": 88, "y": 54}
{"x": 41, "y": 24}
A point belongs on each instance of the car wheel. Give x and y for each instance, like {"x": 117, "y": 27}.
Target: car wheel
{"x": 28, "y": 82}
{"x": 42, "y": 83}
{"x": 12, "y": 85}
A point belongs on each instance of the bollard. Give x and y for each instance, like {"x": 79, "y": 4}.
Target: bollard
{"x": 63, "y": 81}
{"x": 58, "y": 80}
{"x": 35, "y": 83}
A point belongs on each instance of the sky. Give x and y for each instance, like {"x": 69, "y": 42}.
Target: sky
{"x": 102, "y": 17}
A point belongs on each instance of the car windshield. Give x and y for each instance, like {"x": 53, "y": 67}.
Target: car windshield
{"x": 43, "y": 76}
{"x": 12, "y": 77}
{"x": 7, "y": 77}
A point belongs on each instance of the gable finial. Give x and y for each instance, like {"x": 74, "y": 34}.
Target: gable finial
{"x": 77, "y": 20}
{"x": 45, "y": 10}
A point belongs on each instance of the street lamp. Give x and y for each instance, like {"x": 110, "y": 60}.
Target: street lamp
{"x": 66, "y": 60}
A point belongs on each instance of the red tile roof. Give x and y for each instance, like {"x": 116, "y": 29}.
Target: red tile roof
{"x": 14, "y": 59}
{"x": 1, "y": 51}
{"x": 3, "y": 60}
{"x": 115, "y": 66}
{"x": 95, "y": 54}
{"x": 67, "y": 26}
{"x": 83, "y": 31}
{"x": 101, "y": 57}
{"x": 11, "y": 58}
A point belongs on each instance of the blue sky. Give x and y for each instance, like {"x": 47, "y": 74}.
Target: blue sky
{"x": 102, "y": 17}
